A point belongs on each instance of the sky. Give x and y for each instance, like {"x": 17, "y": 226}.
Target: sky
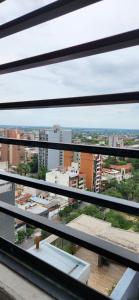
{"x": 112, "y": 72}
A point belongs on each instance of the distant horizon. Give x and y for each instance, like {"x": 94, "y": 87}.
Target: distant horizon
{"x": 93, "y": 128}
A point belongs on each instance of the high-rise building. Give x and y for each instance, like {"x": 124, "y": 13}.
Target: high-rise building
{"x": 50, "y": 158}
{"x": 3, "y": 147}
{"x": 115, "y": 141}
{"x": 7, "y": 195}
{"x": 87, "y": 168}
{"x": 14, "y": 154}
{"x": 68, "y": 159}
{"x": 4, "y": 152}
{"x": 97, "y": 173}
{"x": 86, "y": 165}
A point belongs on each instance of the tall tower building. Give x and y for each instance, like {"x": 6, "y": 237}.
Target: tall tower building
{"x": 113, "y": 140}
{"x": 97, "y": 173}
{"x": 68, "y": 159}
{"x": 86, "y": 165}
{"x": 13, "y": 154}
{"x": 87, "y": 168}
{"x": 3, "y": 147}
{"x": 16, "y": 152}
{"x": 50, "y": 158}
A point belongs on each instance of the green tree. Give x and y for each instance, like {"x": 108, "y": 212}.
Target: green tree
{"x": 34, "y": 164}
{"x": 114, "y": 192}
{"x": 42, "y": 173}
{"x": 135, "y": 163}
{"x": 29, "y": 231}
{"x": 21, "y": 236}
{"x": 23, "y": 169}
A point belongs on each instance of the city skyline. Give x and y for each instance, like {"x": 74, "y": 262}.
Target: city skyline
{"x": 113, "y": 72}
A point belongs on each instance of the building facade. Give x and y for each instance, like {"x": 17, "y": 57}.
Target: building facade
{"x": 16, "y": 152}
{"x": 7, "y": 195}
{"x": 13, "y": 154}
{"x": 97, "y": 173}
{"x": 49, "y": 158}
{"x": 115, "y": 141}
{"x": 86, "y": 165}
{"x": 70, "y": 177}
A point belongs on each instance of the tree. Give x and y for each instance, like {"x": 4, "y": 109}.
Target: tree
{"x": 29, "y": 231}
{"x": 34, "y": 164}
{"x": 127, "y": 189}
{"x": 42, "y": 173}
{"x": 23, "y": 169}
{"x": 135, "y": 162}
{"x": 21, "y": 236}
{"x": 113, "y": 192}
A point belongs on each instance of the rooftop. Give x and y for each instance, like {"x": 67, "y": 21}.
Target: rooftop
{"x": 35, "y": 209}
{"x": 60, "y": 259}
{"x": 104, "y": 230}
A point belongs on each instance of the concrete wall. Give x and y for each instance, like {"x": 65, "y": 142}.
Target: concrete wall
{"x": 14, "y": 287}
{"x": 7, "y": 222}
{"x": 128, "y": 287}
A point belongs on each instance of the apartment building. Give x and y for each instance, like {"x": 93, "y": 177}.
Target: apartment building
{"x": 86, "y": 165}
{"x": 70, "y": 177}
{"x": 97, "y": 173}
{"x": 50, "y": 158}
{"x": 115, "y": 141}
{"x": 16, "y": 152}
{"x": 13, "y": 154}
{"x": 7, "y": 195}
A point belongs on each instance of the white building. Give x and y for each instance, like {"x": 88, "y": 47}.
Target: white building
{"x": 50, "y": 158}
{"x": 34, "y": 208}
{"x": 115, "y": 141}
{"x": 62, "y": 260}
{"x": 71, "y": 177}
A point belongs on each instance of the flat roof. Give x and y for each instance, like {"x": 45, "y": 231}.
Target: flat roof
{"x": 35, "y": 209}
{"x": 60, "y": 259}
{"x": 105, "y": 231}
{"x": 40, "y": 200}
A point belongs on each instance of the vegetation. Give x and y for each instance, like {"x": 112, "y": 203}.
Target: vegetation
{"x": 134, "y": 162}
{"x": 42, "y": 173}
{"x": 44, "y": 234}
{"x": 127, "y": 189}
{"x": 34, "y": 164}
{"x": 31, "y": 169}
{"x": 114, "y": 161}
{"x": 29, "y": 232}
{"x": 115, "y": 218}
{"x": 21, "y": 236}
{"x": 112, "y": 288}
{"x": 71, "y": 249}
{"x": 23, "y": 169}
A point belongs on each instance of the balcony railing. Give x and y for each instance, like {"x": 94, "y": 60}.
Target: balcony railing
{"x": 52, "y": 281}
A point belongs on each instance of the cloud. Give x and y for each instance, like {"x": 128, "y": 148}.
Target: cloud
{"x": 116, "y": 71}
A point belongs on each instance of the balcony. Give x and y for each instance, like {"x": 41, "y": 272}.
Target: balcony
{"x": 22, "y": 268}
